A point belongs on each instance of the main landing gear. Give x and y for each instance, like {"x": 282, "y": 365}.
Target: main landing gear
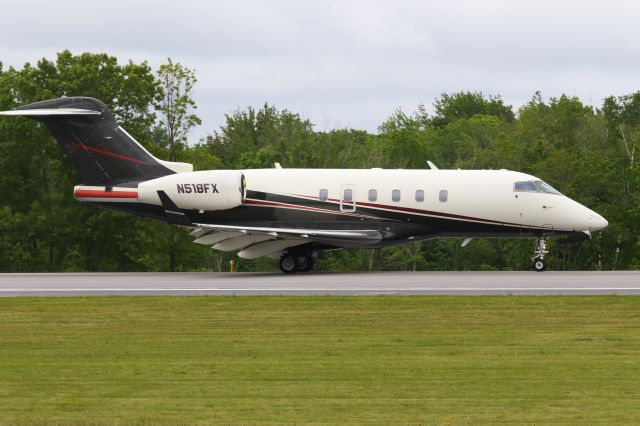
{"x": 539, "y": 263}
{"x": 296, "y": 262}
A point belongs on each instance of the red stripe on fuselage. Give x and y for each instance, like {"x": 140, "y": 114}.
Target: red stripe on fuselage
{"x": 96, "y": 193}
{"x": 296, "y": 206}
{"x": 108, "y": 153}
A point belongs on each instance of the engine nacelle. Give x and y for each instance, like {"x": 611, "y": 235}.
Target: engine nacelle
{"x": 204, "y": 190}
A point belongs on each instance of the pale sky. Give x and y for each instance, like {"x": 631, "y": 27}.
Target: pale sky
{"x": 347, "y": 63}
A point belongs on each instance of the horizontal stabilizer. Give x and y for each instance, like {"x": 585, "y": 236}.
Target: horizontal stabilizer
{"x": 45, "y": 112}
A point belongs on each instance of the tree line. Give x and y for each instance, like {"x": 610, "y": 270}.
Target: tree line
{"x": 588, "y": 153}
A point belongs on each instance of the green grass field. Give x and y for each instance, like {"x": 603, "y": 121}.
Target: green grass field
{"x": 417, "y": 360}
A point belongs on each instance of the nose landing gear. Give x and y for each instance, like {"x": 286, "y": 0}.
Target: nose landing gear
{"x": 539, "y": 263}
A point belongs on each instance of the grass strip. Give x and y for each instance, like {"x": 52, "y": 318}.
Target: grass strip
{"x": 333, "y": 359}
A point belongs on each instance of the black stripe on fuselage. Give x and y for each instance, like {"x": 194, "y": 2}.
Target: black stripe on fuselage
{"x": 397, "y": 226}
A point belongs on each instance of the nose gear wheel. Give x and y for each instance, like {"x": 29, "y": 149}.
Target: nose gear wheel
{"x": 539, "y": 264}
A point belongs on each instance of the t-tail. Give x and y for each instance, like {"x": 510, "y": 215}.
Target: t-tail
{"x": 119, "y": 173}
{"x": 102, "y": 152}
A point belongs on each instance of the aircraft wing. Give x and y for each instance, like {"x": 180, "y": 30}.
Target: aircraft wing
{"x": 255, "y": 241}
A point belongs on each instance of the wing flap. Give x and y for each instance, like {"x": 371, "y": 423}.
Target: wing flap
{"x": 213, "y": 238}
{"x": 199, "y": 232}
{"x": 268, "y": 248}
{"x": 355, "y": 235}
{"x": 256, "y": 241}
{"x": 238, "y": 243}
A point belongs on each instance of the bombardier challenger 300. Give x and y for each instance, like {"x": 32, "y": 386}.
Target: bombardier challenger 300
{"x": 293, "y": 214}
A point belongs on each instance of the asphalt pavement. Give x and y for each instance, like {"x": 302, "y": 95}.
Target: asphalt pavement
{"x": 361, "y": 283}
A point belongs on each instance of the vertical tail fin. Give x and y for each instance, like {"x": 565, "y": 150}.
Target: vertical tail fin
{"x": 102, "y": 152}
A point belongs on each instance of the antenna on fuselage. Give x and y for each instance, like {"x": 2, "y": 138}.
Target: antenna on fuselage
{"x": 431, "y": 165}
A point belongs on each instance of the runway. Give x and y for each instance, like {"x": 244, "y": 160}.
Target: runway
{"x": 401, "y": 283}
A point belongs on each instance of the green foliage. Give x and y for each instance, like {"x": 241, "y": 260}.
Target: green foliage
{"x": 403, "y": 142}
{"x": 258, "y": 138}
{"x": 588, "y": 154}
{"x": 175, "y": 105}
{"x": 42, "y": 228}
{"x": 452, "y": 107}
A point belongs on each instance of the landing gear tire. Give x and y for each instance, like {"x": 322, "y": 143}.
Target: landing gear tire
{"x": 305, "y": 263}
{"x": 289, "y": 264}
{"x": 539, "y": 264}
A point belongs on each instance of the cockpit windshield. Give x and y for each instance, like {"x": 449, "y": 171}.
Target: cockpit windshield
{"x": 525, "y": 186}
{"x": 545, "y": 187}
{"x": 534, "y": 186}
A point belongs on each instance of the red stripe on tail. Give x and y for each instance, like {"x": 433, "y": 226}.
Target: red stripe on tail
{"x": 96, "y": 193}
{"x": 108, "y": 153}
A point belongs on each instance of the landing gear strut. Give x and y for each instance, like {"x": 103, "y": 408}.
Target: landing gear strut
{"x": 539, "y": 263}
{"x": 296, "y": 262}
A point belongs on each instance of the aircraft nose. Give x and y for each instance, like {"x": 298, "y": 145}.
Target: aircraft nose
{"x": 583, "y": 218}
{"x": 596, "y": 222}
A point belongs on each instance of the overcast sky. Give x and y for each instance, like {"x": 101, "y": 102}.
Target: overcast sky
{"x": 347, "y": 63}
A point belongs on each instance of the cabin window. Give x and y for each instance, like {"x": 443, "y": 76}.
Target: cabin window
{"x": 525, "y": 186}
{"x": 395, "y": 195}
{"x": 347, "y": 195}
{"x": 444, "y": 195}
{"x": 324, "y": 195}
{"x": 419, "y": 195}
{"x": 373, "y": 195}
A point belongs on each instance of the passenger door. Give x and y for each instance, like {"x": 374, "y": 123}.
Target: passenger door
{"x": 348, "y": 198}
